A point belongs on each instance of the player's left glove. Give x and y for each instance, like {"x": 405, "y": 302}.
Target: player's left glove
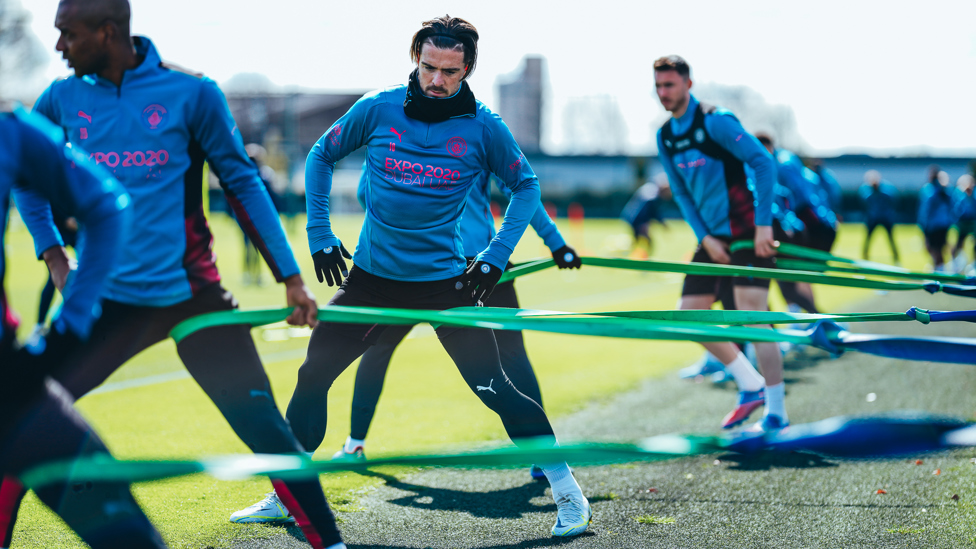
{"x": 566, "y": 258}
{"x": 24, "y": 378}
{"x": 329, "y": 264}
{"x": 478, "y": 281}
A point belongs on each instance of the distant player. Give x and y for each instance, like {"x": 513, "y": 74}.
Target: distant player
{"x": 878, "y": 198}
{"x": 935, "y": 215}
{"x": 37, "y": 422}
{"x": 644, "y": 208}
{"x": 154, "y": 126}
{"x": 428, "y": 144}
{"x": 964, "y": 209}
{"x": 477, "y": 230}
{"x": 811, "y": 202}
{"x": 704, "y": 151}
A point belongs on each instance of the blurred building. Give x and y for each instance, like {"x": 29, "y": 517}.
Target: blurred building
{"x": 520, "y": 103}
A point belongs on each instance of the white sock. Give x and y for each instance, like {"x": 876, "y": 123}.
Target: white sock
{"x": 776, "y": 401}
{"x": 747, "y": 378}
{"x": 339, "y": 545}
{"x": 561, "y": 479}
{"x": 352, "y": 444}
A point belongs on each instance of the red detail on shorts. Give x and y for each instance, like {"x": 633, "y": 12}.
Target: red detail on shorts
{"x": 311, "y": 534}
{"x": 9, "y": 319}
{"x": 11, "y": 492}
{"x": 199, "y": 259}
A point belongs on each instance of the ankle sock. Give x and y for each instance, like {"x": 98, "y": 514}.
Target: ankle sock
{"x": 776, "y": 401}
{"x": 747, "y": 378}
{"x": 353, "y": 443}
{"x": 561, "y": 479}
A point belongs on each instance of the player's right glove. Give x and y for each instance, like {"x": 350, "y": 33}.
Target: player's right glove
{"x": 330, "y": 265}
{"x": 478, "y": 281}
{"x": 566, "y": 258}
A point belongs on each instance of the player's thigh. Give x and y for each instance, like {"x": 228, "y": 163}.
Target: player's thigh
{"x": 752, "y": 298}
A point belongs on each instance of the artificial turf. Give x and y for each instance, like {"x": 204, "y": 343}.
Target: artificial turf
{"x": 425, "y": 405}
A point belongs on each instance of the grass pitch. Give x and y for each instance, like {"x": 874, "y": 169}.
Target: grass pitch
{"x": 151, "y": 408}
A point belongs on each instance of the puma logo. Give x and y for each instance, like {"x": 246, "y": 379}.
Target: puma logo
{"x": 85, "y": 116}
{"x": 398, "y": 134}
{"x": 488, "y": 388}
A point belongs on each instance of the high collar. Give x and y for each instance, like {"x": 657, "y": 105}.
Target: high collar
{"x": 418, "y": 106}
{"x": 689, "y": 112}
{"x": 150, "y": 62}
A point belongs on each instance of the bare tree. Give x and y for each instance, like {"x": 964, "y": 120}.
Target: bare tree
{"x": 22, "y": 56}
{"x": 755, "y": 113}
{"x": 594, "y": 124}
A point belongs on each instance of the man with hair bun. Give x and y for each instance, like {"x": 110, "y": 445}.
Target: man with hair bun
{"x": 428, "y": 144}
{"x": 705, "y": 152}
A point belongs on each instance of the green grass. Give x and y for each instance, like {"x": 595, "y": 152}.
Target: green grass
{"x": 654, "y": 519}
{"x": 425, "y": 405}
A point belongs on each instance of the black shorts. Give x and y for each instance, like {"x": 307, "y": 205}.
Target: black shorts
{"x": 936, "y": 238}
{"x": 362, "y": 289}
{"x": 820, "y": 237}
{"x": 710, "y": 285}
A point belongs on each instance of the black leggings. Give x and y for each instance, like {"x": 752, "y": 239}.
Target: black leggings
{"x": 226, "y": 365}
{"x": 371, "y": 373}
{"x": 889, "y": 228}
{"x": 51, "y": 430}
{"x": 47, "y": 296}
{"x": 333, "y": 347}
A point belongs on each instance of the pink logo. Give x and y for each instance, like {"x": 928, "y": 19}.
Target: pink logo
{"x": 398, "y": 134}
{"x": 85, "y": 116}
{"x": 154, "y": 116}
{"x": 456, "y": 147}
{"x": 84, "y": 133}
{"x": 334, "y": 134}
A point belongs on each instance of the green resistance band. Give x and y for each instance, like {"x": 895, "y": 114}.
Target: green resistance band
{"x": 859, "y": 266}
{"x": 654, "y": 325}
{"x": 103, "y": 467}
{"x": 708, "y": 269}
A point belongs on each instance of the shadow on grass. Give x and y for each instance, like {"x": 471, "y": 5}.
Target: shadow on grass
{"x": 511, "y": 503}
{"x": 765, "y": 461}
{"x": 527, "y": 544}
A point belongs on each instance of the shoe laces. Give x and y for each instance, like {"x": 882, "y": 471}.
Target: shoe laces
{"x": 569, "y": 509}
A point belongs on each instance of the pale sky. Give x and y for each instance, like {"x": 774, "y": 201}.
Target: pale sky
{"x": 876, "y": 76}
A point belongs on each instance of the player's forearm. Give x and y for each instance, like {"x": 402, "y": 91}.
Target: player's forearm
{"x": 525, "y": 201}
{"x": 318, "y": 186}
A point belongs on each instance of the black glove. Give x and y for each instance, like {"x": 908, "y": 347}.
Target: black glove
{"x": 478, "y": 281}
{"x": 329, "y": 263}
{"x": 24, "y": 378}
{"x": 566, "y": 258}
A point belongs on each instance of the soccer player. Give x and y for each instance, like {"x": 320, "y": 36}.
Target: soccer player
{"x": 427, "y": 144}
{"x": 812, "y": 206}
{"x": 643, "y": 208}
{"x": 37, "y": 422}
{"x": 154, "y": 126}
{"x": 879, "y": 203}
{"x": 935, "y": 215}
{"x": 704, "y": 151}
{"x": 964, "y": 208}
{"x": 477, "y": 230}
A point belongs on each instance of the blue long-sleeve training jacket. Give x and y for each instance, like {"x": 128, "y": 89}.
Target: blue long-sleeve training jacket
{"x": 36, "y": 165}
{"x": 830, "y": 185}
{"x": 964, "y": 206}
{"x": 477, "y": 221}
{"x": 418, "y": 177}
{"x": 712, "y": 193}
{"x": 812, "y": 202}
{"x": 879, "y": 204}
{"x": 935, "y": 207}
{"x": 153, "y": 133}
